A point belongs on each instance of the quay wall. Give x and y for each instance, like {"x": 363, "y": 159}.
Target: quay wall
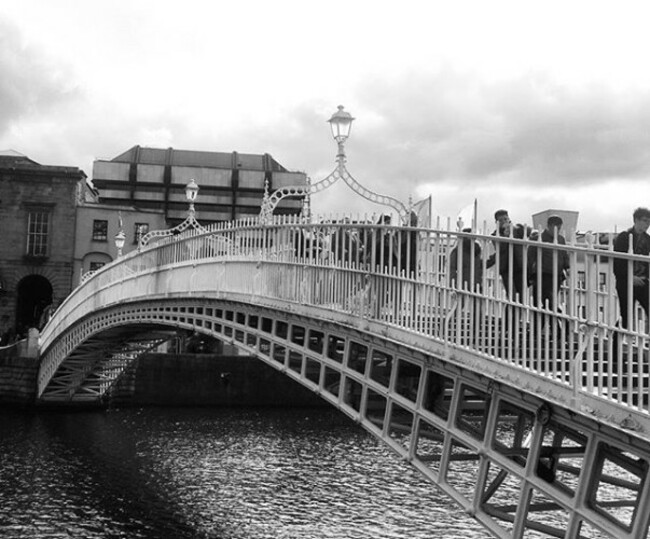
{"x": 208, "y": 380}
{"x": 170, "y": 380}
{"x": 18, "y": 374}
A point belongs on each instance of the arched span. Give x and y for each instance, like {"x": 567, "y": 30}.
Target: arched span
{"x": 491, "y": 425}
{"x": 478, "y": 439}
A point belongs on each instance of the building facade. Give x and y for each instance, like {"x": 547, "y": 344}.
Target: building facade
{"x": 98, "y": 225}
{"x": 56, "y": 226}
{"x": 38, "y": 220}
{"x": 232, "y": 185}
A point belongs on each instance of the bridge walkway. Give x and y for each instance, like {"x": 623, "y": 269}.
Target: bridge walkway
{"x": 533, "y": 419}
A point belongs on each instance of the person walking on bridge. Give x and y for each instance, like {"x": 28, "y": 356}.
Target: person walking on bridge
{"x": 640, "y": 245}
{"x": 509, "y": 257}
{"x": 549, "y": 265}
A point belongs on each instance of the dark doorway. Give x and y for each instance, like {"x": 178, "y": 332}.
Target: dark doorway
{"x": 34, "y": 295}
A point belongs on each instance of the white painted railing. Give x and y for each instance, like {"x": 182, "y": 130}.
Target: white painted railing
{"x": 410, "y": 278}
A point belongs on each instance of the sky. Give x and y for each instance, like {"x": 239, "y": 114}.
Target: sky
{"x": 521, "y": 105}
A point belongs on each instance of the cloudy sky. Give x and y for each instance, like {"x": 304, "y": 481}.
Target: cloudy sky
{"x": 523, "y": 105}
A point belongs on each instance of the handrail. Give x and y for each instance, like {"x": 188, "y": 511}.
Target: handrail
{"x": 408, "y": 273}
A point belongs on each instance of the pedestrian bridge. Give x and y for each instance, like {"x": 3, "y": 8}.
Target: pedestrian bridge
{"x": 532, "y": 417}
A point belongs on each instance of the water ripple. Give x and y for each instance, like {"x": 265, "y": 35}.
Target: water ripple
{"x": 211, "y": 474}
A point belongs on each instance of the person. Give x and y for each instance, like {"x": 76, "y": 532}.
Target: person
{"x": 471, "y": 258}
{"x": 346, "y": 244}
{"x": 384, "y": 250}
{"x": 503, "y": 254}
{"x": 47, "y": 313}
{"x": 467, "y": 275}
{"x": 640, "y": 241}
{"x": 307, "y": 244}
{"x": 409, "y": 248}
{"x": 547, "y": 263}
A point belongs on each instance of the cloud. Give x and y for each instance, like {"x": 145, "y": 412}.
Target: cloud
{"x": 525, "y": 142}
{"x": 453, "y": 126}
{"x": 29, "y": 83}
{"x": 524, "y": 138}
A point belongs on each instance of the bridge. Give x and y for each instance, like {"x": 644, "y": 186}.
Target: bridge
{"x": 533, "y": 417}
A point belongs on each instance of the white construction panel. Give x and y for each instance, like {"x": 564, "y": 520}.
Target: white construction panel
{"x": 143, "y": 195}
{"x": 202, "y": 198}
{"x": 108, "y": 170}
{"x": 220, "y": 199}
{"x": 204, "y": 177}
{"x": 287, "y": 179}
{"x": 150, "y": 173}
{"x": 115, "y": 193}
{"x": 249, "y": 200}
{"x": 251, "y": 179}
{"x": 250, "y": 161}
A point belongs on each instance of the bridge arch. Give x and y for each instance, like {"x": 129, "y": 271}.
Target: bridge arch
{"x": 481, "y": 441}
{"x": 485, "y": 422}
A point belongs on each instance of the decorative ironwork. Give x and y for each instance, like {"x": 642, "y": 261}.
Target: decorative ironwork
{"x": 191, "y": 192}
{"x": 189, "y": 222}
{"x": 340, "y": 122}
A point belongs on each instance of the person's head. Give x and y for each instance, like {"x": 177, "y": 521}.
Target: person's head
{"x": 519, "y": 231}
{"x": 554, "y": 222}
{"x": 384, "y": 220}
{"x": 503, "y": 221}
{"x": 641, "y": 218}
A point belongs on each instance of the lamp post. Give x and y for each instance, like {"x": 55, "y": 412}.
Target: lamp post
{"x": 191, "y": 192}
{"x": 120, "y": 237}
{"x": 341, "y": 124}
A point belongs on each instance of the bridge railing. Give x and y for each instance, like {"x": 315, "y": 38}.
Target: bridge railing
{"x": 548, "y": 308}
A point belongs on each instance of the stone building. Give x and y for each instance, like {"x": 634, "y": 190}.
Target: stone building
{"x": 37, "y": 220}
{"x": 97, "y": 226}
{"x": 231, "y": 184}
{"x": 56, "y": 226}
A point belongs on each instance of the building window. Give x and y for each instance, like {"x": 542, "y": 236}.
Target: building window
{"x": 581, "y": 279}
{"x": 602, "y": 281}
{"x": 100, "y": 230}
{"x": 140, "y": 230}
{"x": 94, "y": 266}
{"x": 38, "y": 229}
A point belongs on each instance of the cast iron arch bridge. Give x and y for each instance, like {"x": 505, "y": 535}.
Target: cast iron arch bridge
{"x": 534, "y": 419}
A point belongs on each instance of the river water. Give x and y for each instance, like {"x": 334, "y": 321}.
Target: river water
{"x": 211, "y": 473}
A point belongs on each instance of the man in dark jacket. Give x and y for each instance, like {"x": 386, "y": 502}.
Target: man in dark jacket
{"x": 640, "y": 245}
{"x": 469, "y": 275}
{"x": 506, "y": 251}
{"x": 547, "y": 264}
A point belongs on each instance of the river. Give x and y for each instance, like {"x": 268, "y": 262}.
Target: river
{"x": 144, "y": 473}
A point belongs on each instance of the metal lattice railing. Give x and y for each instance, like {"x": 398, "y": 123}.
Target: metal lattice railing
{"x": 439, "y": 283}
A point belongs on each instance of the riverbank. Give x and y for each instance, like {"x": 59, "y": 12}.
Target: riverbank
{"x": 172, "y": 380}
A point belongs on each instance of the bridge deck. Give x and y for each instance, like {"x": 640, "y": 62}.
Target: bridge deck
{"x": 466, "y": 382}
